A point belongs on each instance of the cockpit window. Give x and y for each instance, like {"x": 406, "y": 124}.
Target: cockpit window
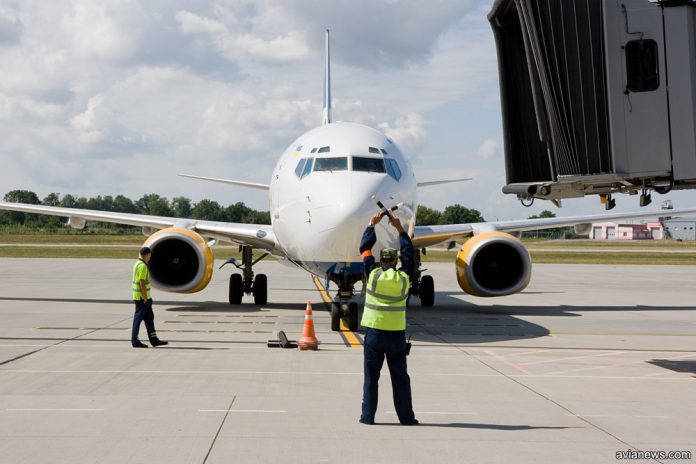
{"x": 393, "y": 169}
{"x": 331, "y": 164}
{"x": 300, "y": 167}
{"x": 368, "y": 164}
{"x": 374, "y": 150}
{"x": 324, "y": 150}
{"x": 307, "y": 168}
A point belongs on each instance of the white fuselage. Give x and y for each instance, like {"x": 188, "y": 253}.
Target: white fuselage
{"x": 319, "y": 210}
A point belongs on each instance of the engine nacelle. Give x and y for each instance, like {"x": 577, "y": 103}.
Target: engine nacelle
{"x": 181, "y": 260}
{"x": 493, "y": 264}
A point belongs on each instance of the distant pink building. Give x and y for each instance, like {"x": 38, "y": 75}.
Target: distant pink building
{"x": 615, "y": 231}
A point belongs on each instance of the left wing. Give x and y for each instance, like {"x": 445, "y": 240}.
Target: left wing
{"x": 256, "y": 235}
{"x": 425, "y": 236}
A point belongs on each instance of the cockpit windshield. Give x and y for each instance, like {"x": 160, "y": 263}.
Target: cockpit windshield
{"x": 368, "y": 164}
{"x": 331, "y": 164}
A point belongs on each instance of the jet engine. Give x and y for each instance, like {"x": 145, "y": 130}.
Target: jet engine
{"x": 181, "y": 260}
{"x": 493, "y": 264}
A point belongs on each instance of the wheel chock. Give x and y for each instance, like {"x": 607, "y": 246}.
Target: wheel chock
{"x": 282, "y": 342}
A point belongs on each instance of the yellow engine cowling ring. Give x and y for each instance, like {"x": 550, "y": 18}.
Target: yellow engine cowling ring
{"x": 493, "y": 264}
{"x": 181, "y": 262}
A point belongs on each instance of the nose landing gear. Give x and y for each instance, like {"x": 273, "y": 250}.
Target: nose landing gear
{"x": 344, "y": 306}
{"x": 247, "y": 283}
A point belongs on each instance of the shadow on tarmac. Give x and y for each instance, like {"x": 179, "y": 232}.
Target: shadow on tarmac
{"x": 676, "y": 366}
{"x": 465, "y": 425}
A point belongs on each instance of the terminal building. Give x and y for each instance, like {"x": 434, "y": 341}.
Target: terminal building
{"x": 667, "y": 229}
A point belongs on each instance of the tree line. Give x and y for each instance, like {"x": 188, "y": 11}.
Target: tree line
{"x": 182, "y": 207}
{"x": 151, "y": 204}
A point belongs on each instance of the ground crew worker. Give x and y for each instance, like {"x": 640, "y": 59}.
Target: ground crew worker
{"x": 143, "y": 301}
{"x": 384, "y": 316}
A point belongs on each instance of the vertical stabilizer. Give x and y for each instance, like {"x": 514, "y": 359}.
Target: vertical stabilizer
{"x": 326, "y": 113}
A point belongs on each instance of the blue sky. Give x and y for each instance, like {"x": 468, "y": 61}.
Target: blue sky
{"x": 119, "y": 96}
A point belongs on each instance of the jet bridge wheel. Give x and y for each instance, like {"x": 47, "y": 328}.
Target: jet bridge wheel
{"x": 236, "y": 289}
{"x": 335, "y": 317}
{"x": 426, "y": 291}
{"x": 260, "y": 289}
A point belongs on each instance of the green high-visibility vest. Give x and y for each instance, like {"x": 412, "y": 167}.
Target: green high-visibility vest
{"x": 385, "y": 300}
{"x": 140, "y": 272}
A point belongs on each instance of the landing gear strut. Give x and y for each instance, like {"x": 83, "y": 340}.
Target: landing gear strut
{"x": 343, "y": 306}
{"x": 422, "y": 286}
{"x": 246, "y": 283}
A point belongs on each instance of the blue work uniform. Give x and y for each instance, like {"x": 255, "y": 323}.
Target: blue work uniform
{"x": 385, "y": 337}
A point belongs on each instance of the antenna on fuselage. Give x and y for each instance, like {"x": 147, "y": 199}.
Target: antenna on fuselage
{"x": 326, "y": 113}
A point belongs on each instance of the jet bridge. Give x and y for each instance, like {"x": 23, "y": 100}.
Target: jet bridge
{"x": 598, "y": 96}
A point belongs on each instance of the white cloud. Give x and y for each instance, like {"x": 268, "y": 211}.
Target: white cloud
{"x": 408, "y": 131}
{"x": 192, "y": 23}
{"x": 488, "y": 149}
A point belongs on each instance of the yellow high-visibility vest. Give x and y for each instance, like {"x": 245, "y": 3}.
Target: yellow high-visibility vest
{"x": 140, "y": 272}
{"x": 385, "y": 300}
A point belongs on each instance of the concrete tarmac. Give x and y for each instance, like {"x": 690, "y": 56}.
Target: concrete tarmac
{"x": 588, "y": 362}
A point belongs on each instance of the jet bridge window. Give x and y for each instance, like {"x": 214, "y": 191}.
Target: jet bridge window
{"x": 368, "y": 164}
{"x": 331, "y": 164}
{"x": 642, "y": 68}
{"x": 393, "y": 169}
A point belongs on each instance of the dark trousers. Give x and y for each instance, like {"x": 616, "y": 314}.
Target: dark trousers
{"x": 143, "y": 312}
{"x": 392, "y": 344}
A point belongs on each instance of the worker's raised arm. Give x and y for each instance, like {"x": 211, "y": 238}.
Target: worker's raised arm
{"x": 369, "y": 239}
{"x": 405, "y": 246}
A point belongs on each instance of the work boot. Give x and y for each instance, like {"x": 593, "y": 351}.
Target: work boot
{"x": 138, "y": 344}
{"x": 158, "y": 342}
{"x": 413, "y": 422}
{"x": 366, "y": 422}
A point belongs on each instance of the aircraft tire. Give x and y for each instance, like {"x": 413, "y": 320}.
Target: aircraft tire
{"x": 427, "y": 291}
{"x": 260, "y": 289}
{"x": 353, "y": 317}
{"x": 335, "y": 318}
{"x": 236, "y": 289}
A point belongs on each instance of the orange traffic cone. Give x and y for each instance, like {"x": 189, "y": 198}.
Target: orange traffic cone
{"x": 309, "y": 339}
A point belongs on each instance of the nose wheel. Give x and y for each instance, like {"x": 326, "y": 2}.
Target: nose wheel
{"x": 247, "y": 283}
{"x": 347, "y": 310}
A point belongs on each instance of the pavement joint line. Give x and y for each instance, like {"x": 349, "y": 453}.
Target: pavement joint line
{"x": 504, "y": 360}
{"x": 571, "y": 358}
{"x": 217, "y": 434}
{"x": 16, "y": 358}
{"x": 285, "y": 373}
{"x": 628, "y": 363}
{"x": 260, "y": 411}
{"x": 54, "y": 410}
{"x": 443, "y": 413}
{"x": 519, "y": 382}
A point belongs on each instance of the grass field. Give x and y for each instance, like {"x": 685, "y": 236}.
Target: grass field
{"x": 564, "y": 251}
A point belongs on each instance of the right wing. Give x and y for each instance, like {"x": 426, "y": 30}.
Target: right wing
{"x": 256, "y": 235}
{"x": 240, "y": 183}
{"x": 425, "y": 236}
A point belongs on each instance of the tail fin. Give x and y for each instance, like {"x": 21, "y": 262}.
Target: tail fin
{"x": 326, "y": 112}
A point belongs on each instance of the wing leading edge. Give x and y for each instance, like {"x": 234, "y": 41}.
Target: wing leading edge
{"x": 256, "y": 235}
{"x": 424, "y": 236}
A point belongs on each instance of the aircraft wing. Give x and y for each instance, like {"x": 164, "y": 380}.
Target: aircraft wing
{"x": 256, "y": 235}
{"x": 424, "y": 236}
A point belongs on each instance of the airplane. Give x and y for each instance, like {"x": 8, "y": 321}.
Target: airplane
{"x": 322, "y": 194}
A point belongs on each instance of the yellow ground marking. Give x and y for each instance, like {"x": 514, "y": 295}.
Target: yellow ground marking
{"x": 349, "y": 337}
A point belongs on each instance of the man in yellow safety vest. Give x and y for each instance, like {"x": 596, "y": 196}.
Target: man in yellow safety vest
{"x": 384, "y": 317}
{"x": 143, "y": 301}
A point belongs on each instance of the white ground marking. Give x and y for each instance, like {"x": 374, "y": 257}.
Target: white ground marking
{"x": 570, "y": 358}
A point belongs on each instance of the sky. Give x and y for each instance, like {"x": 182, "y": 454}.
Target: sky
{"x": 119, "y": 96}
